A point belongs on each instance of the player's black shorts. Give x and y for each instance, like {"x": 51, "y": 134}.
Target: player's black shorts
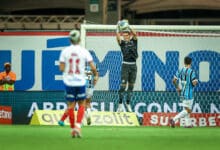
{"x": 128, "y": 73}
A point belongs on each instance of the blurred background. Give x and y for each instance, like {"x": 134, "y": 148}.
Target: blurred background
{"x": 66, "y": 14}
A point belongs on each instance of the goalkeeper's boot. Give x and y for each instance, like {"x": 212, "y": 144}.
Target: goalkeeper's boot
{"x": 120, "y": 108}
{"x": 61, "y": 123}
{"x": 129, "y": 107}
{"x": 172, "y": 123}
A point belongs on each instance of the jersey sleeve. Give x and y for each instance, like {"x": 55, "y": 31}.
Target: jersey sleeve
{"x": 122, "y": 43}
{"x": 62, "y": 56}
{"x": 134, "y": 39}
{"x": 88, "y": 56}
{"x": 193, "y": 76}
{"x": 177, "y": 75}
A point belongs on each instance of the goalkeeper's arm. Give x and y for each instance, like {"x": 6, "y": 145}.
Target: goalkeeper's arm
{"x": 118, "y": 37}
{"x": 134, "y": 33}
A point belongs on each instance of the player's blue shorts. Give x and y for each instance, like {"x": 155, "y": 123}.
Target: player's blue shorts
{"x": 75, "y": 93}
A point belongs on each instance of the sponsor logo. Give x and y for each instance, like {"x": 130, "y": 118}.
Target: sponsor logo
{"x": 139, "y": 108}
{"x": 114, "y": 119}
{"x": 5, "y": 115}
{"x": 197, "y": 119}
{"x": 51, "y": 117}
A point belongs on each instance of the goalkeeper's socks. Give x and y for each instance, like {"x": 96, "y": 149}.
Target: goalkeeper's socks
{"x": 65, "y": 115}
{"x": 80, "y": 114}
{"x": 71, "y": 117}
{"x": 182, "y": 114}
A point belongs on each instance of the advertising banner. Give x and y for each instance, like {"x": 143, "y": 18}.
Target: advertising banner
{"x": 25, "y": 103}
{"x": 98, "y": 118}
{"x": 197, "y": 119}
{"x": 5, "y": 115}
{"x": 34, "y": 58}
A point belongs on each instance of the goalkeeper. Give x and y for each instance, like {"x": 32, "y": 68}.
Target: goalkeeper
{"x": 128, "y": 45}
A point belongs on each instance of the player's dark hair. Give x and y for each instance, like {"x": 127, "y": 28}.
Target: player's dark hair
{"x": 126, "y": 31}
{"x": 187, "y": 60}
{"x": 75, "y": 42}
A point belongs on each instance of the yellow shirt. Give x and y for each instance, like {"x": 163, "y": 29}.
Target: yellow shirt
{"x": 11, "y": 76}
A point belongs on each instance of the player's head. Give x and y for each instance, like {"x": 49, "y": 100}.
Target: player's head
{"x": 74, "y": 36}
{"x": 7, "y": 67}
{"x": 187, "y": 60}
{"x": 126, "y": 35}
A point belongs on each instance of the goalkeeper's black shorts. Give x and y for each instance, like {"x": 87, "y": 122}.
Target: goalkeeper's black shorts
{"x": 128, "y": 73}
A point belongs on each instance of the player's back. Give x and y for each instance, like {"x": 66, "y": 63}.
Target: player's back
{"x": 74, "y": 57}
{"x": 186, "y": 76}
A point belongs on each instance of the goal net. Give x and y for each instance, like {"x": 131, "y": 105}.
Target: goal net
{"x": 161, "y": 51}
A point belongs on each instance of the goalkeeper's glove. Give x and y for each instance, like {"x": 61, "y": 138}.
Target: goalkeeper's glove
{"x": 118, "y": 27}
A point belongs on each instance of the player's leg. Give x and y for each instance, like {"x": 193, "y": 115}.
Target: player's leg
{"x": 188, "y": 108}
{"x": 89, "y": 94}
{"x": 63, "y": 118}
{"x": 70, "y": 98}
{"x": 71, "y": 106}
{"x": 81, "y": 97}
{"x": 88, "y": 111}
{"x": 124, "y": 79}
{"x": 131, "y": 81}
{"x": 182, "y": 114}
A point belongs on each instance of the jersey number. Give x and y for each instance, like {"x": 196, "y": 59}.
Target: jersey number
{"x": 76, "y": 63}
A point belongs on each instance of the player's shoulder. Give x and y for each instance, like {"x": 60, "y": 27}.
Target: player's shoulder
{"x": 66, "y": 48}
{"x": 191, "y": 71}
{"x": 134, "y": 39}
{"x": 84, "y": 49}
{"x": 12, "y": 73}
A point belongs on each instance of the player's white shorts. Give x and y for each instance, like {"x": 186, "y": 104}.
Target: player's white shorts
{"x": 89, "y": 92}
{"x": 187, "y": 103}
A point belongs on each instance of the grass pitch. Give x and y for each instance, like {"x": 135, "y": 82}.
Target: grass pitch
{"x": 25, "y": 137}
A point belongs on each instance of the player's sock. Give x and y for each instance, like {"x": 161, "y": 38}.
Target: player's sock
{"x": 78, "y": 130}
{"x": 71, "y": 117}
{"x": 65, "y": 115}
{"x": 88, "y": 111}
{"x": 129, "y": 107}
{"x": 80, "y": 114}
{"x": 182, "y": 114}
{"x": 188, "y": 121}
{"x": 88, "y": 116}
{"x": 120, "y": 108}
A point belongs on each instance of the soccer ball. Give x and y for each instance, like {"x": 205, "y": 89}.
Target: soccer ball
{"x": 123, "y": 25}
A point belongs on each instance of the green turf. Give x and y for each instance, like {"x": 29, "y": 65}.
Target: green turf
{"x": 25, "y": 137}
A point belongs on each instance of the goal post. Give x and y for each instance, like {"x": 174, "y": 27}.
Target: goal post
{"x": 196, "y": 28}
{"x": 161, "y": 49}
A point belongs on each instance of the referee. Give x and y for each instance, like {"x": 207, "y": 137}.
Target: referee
{"x": 128, "y": 47}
